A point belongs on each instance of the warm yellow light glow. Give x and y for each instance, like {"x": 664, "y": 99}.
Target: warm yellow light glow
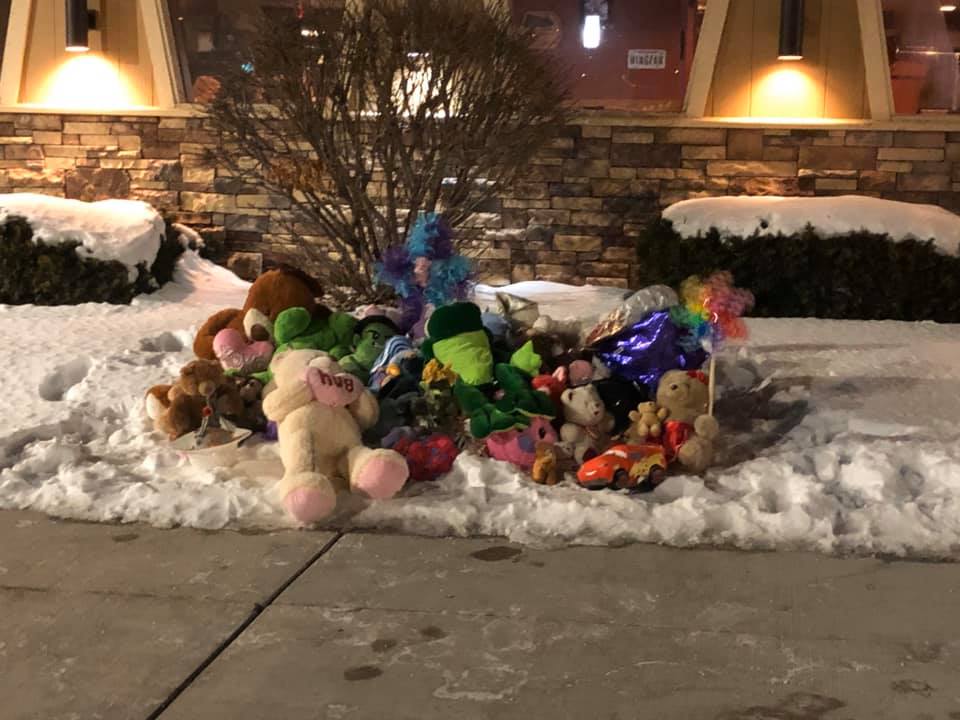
{"x": 947, "y": 7}
{"x": 89, "y": 82}
{"x": 787, "y": 92}
{"x": 760, "y": 121}
{"x": 77, "y": 48}
{"x": 790, "y": 57}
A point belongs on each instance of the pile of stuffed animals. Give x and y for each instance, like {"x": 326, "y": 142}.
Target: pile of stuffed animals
{"x": 365, "y": 402}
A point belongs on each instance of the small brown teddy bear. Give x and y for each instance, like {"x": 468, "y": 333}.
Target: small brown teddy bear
{"x": 269, "y": 295}
{"x": 544, "y": 471}
{"x": 586, "y": 432}
{"x": 646, "y": 423}
{"x": 689, "y": 431}
{"x": 178, "y": 409}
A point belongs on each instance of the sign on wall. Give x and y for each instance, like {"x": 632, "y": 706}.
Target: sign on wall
{"x": 646, "y": 59}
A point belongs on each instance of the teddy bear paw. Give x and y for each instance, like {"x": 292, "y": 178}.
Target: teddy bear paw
{"x": 308, "y": 504}
{"x": 381, "y": 476}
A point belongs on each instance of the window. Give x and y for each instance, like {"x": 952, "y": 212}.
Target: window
{"x": 923, "y": 39}
{"x": 210, "y": 34}
{"x": 4, "y": 20}
{"x": 620, "y": 54}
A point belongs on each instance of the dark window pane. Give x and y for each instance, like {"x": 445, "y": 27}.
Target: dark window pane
{"x": 619, "y": 53}
{"x": 4, "y": 21}
{"x": 211, "y": 34}
{"x": 923, "y": 37}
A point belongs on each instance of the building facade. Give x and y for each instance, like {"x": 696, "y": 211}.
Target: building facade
{"x": 678, "y": 99}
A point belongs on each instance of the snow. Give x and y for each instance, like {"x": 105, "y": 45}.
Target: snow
{"x": 128, "y": 231}
{"x": 837, "y": 436}
{"x": 830, "y": 216}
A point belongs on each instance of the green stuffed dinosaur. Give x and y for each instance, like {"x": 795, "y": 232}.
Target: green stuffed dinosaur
{"x": 296, "y": 329}
{"x": 457, "y": 339}
{"x": 518, "y": 403}
{"x": 369, "y": 339}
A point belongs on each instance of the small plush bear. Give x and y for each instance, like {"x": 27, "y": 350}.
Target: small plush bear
{"x": 689, "y": 431}
{"x": 646, "y": 423}
{"x": 588, "y": 424}
{"x": 178, "y": 409}
{"x": 544, "y": 471}
{"x": 321, "y": 412}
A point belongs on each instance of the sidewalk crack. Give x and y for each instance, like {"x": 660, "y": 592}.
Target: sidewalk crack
{"x": 257, "y": 610}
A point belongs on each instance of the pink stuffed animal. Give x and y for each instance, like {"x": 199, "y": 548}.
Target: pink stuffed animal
{"x": 235, "y": 353}
{"x": 520, "y": 446}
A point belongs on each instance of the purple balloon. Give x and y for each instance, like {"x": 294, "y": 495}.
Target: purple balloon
{"x": 644, "y": 351}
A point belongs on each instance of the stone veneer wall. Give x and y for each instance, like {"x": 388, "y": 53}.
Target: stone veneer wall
{"x": 573, "y": 218}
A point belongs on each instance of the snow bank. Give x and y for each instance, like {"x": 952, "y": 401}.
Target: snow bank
{"x": 837, "y": 436}
{"x": 744, "y": 216}
{"x": 128, "y": 231}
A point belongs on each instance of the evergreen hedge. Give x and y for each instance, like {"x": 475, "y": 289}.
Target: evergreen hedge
{"x": 859, "y": 276}
{"x": 39, "y": 273}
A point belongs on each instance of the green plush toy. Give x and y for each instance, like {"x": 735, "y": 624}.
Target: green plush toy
{"x": 296, "y": 329}
{"x": 518, "y": 404}
{"x": 457, "y": 339}
{"x": 527, "y": 359}
{"x": 369, "y": 340}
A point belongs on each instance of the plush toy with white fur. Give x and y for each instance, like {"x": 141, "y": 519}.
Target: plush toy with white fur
{"x": 587, "y": 429}
{"x": 321, "y": 412}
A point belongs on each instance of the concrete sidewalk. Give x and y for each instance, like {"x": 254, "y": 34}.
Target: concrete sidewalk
{"x": 110, "y": 622}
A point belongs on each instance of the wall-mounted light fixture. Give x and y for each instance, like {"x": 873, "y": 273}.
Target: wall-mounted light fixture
{"x": 596, "y": 14}
{"x": 948, "y": 7}
{"x": 80, "y": 21}
{"x": 791, "y": 30}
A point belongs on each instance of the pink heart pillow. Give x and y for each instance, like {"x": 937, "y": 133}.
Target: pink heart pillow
{"x": 235, "y": 353}
{"x": 333, "y": 390}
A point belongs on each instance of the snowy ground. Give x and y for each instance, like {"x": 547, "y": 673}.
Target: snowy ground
{"x": 839, "y": 436}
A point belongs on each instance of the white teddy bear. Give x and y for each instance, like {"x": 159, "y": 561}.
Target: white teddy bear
{"x": 588, "y": 424}
{"x": 321, "y": 412}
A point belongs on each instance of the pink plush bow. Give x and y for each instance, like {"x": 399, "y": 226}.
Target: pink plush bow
{"x": 235, "y": 353}
{"x": 333, "y": 390}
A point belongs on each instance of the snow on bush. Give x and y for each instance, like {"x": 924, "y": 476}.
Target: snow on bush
{"x": 829, "y": 216}
{"x": 128, "y": 231}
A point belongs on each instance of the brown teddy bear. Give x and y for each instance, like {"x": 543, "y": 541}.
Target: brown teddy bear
{"x": 178, "y": 409}
{"x": 544, "y": 470}
{"x": 688, "y": 432}
{"x": 646, "y": 422}
{"x": 269, "y": 295}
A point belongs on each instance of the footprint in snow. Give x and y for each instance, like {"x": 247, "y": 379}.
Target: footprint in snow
{"x": 57, "y": 382}
{"x": 164, "y": 342}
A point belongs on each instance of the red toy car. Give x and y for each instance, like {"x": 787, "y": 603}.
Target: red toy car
{"x": 638, "y": 468}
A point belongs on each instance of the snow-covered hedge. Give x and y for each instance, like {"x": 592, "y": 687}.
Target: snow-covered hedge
{"x": 893, "y": 261}
{"x": 60, "y": 272}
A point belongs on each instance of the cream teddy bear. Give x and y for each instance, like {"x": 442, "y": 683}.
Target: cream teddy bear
{"x": 586, "y": 431}
{"x": 321, "y": 412}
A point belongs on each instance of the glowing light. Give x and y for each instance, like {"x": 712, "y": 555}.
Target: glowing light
{"x": 789, "y": 57}
{"x": 89, "y": 82}
{"x": 787, "y": 92}
{"x": 947, "y": 7}
{"x": 77, "y": 48}
{"x": 591, "y": 32}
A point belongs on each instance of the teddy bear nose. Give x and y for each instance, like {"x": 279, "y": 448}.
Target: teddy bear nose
{"x": 206, "y": 387}
{"x": 258, "y": 333}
